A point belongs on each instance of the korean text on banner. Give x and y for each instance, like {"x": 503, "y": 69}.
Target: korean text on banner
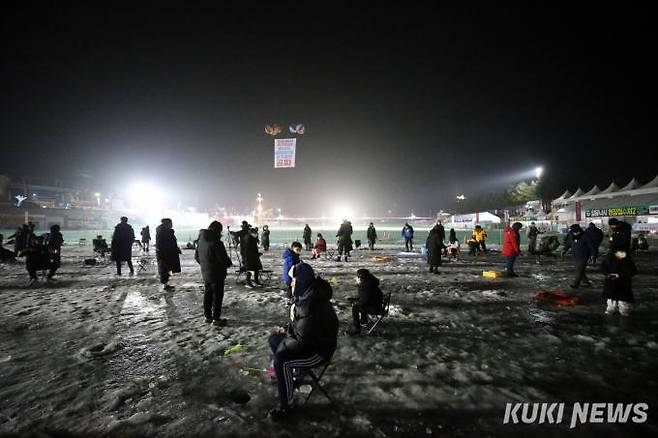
{"x": 284, "y": 152}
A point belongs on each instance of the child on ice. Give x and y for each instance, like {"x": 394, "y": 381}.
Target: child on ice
{"x": 619, "y": 269}
{"x": 290, "y": 259}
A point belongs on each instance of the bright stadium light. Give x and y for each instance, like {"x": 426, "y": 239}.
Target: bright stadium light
{"x": 342, "y": 212}
{"x": 538, "y": 171}
{"x": 146, "y": 197}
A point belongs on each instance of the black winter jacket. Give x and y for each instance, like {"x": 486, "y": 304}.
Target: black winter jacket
{"x": 314, "y": 328}
{"x": 211, "y": 255}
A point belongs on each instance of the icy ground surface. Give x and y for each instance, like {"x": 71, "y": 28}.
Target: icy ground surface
{"x": 96, "y": 354}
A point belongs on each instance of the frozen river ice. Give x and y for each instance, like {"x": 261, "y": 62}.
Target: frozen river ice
{"x": 97, "y": 355}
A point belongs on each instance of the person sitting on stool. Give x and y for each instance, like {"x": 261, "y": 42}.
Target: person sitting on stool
{"x": 310, "y": 338}
{"x": 370, "y": 300}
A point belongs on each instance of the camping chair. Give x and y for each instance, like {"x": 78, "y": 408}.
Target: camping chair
{"x": 380, "y": 316}
{"x": 143, "y": 263}
{"x": 264, "y": 276}
{"x": 330, "y": 252}
{"x": 315, "y": 379}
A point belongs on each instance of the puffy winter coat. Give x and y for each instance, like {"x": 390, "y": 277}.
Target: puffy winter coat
{"x": 434, "y": 246}
{"x": 211, "y": 255}
{"x": 251, "y": 253}
{"x": 619, "y": 289}
{"x": 345, "y": 234}
{"x": 122, "y": 242}
{"x": 511, "y": 242}
{"x": 167, "y": 251}
{"x": 479, "y": 235}
{"x": 371, "y": 234}
{"x": 408, "y": 232}
{"x": 290, "y": 259}
{"x": 370, "y": 295}
{"x": 314, "y": 328}
{"x": 320, "y": 245}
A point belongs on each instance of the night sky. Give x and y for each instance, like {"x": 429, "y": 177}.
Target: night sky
{"x": 404, "y": 107}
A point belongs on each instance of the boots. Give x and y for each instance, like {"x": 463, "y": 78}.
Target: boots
{"x": 257, "y": 280}
{"x": 611, "y": 308}
{"x": 249, "y": 285}
{"x": 625, "y": 308}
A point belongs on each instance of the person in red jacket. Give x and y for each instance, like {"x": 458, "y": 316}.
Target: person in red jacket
{"x": 319, "y": 248}
{"x": 511, "y": 247}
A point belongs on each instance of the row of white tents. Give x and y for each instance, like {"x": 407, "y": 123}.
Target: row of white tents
{"x": 633, "y": 188}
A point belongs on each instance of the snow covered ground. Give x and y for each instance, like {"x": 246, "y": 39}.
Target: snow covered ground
{"x": 96, "y": 354}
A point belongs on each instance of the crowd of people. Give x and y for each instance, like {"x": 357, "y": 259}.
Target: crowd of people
{"x": 309, "y": 338}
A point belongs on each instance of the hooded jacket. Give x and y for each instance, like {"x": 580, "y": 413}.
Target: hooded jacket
{"x": 290, "y": 259}
{"x": 370, "y": 295}
{"x": 314, "y": 328}
{"x": 211, "y": 255}
{"x": 434, "y": 245}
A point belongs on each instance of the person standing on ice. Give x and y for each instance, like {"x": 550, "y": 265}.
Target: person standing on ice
{"x": 310, "y": 338}
{"x": 252, "y": 263}
{"x": 211, "y": 255}
{"x": 167, "y": 252}
{"x": 54, "y": 243}
{"x": 581, "y": 249}
{"x": 532, "y": 233}
{"x": 595, "y": 236}
{"x": 435, "y": 246}
{"x": 122, "y": 245}
{"x": 408, "y": 234}
{"x": 511, "y": 247}
{"x": 308, "y": 243}
{"x": 344, "y": 236}
{"x": 265, "y": 238}
{"x": 371, "y": 234}
{"x": 146, "y": 238}
{"x": 619, "y": 269}
{"x": 620, "y": 235}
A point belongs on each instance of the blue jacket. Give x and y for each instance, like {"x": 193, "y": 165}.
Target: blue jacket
{"x": 290, "y": 259}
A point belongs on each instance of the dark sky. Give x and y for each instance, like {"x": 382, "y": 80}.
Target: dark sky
{"x": 404, "y": 107}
